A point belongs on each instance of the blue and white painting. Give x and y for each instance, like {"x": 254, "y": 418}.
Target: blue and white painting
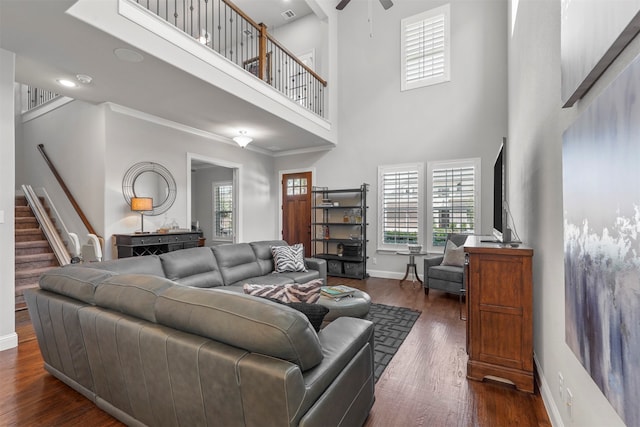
{"x": 601, "y": 179}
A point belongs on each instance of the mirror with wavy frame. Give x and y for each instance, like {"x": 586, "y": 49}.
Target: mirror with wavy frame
{"x": 148, "y": 179}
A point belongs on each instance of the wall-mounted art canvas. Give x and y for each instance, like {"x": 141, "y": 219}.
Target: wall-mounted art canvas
{"x": 593, "y": 33}
{"x": 601, "y": 184}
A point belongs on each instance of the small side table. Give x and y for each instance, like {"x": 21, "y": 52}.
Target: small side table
{"x": 411, "y": 266}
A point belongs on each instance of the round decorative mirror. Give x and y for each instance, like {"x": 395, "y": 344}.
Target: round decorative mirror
{"x": 148, "y": 179}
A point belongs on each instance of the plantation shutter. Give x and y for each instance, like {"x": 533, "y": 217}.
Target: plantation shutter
{"x": 425, "y": 47}
{"x": 223, "y": 208}
{"x": 400, "y": 204}
{"x": 453, "y": 202}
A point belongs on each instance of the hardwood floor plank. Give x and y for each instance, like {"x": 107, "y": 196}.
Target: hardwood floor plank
{"x": 425, "y": 383}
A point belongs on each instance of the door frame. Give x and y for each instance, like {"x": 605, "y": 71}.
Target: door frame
{"x": 281, "y": 174}
{"x": 237, "y": 189}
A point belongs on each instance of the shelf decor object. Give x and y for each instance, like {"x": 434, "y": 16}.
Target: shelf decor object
{"x": 339, "y": 223}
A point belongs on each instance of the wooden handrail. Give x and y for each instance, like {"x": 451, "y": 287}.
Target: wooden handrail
{"x": 263, "y": 45}
{"x": 295, "y": 58}
{"x": 75, "y": 205}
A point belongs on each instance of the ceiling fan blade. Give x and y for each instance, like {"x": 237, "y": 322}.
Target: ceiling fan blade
{"x": 386, "y": 4}
{"x": 342, "y": 4}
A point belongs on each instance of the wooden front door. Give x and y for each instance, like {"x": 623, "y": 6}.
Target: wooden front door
{"x": 296, "y": 209}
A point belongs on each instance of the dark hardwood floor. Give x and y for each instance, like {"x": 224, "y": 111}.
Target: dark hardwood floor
{"x": 424, "y": 385}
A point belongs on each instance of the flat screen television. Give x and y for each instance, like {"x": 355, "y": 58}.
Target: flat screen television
{"x": 501, "y": 231}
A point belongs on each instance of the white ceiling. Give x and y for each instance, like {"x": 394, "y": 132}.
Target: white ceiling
{"x": 50, "y": 43}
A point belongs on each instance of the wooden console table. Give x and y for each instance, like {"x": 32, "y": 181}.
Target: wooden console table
{"x": 129, "y": 245}
{"x": 500, "y": 312}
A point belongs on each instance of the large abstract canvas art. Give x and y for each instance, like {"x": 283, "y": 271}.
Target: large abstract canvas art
{"x": 601, "y": 179}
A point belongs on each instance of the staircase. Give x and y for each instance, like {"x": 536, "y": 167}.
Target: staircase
{"x": 33, "y": 253}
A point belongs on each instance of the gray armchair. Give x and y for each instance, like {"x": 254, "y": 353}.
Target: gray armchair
{"x": 448, "y": 278}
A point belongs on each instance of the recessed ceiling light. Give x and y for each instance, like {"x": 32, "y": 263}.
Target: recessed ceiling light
{"x": 67, "y": 83}
{"x": 128, "y": 55}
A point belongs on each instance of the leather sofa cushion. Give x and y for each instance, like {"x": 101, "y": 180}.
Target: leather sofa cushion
{"x": 192, "y": 267}
{"x": 148, "y": 264}
{"x": 236, "y": 262}
{"x": 243, "y": 321}
{"x": 262, "y": 250}
{"x": 75, "y": 282}
{"x": 132, "y": 294}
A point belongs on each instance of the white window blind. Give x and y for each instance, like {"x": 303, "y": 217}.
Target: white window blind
{"x": 223, "y": 210}
{"x": 425, "y": 48}
{"x": 400, "y": 219}
{"x": 454, "y": 199}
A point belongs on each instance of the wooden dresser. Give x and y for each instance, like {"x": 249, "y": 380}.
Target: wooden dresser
{"x": 154, "y": 243}
{"x": 500, "y": 312}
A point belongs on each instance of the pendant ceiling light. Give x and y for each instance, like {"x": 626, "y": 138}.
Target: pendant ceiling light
{"x": 242, "y": 140}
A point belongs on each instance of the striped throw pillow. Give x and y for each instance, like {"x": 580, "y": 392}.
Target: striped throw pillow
{"x": 292, "y": 292}
{"x": 288, "y": 258}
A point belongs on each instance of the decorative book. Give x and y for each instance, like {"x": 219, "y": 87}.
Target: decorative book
{"x": 337, "y": 291}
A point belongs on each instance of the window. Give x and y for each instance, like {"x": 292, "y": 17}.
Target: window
{"x": 223, "y": 210}
{"x": 425, "y": 48}
{"x": 400, "y": 189}
{"x": 454, "y": 203}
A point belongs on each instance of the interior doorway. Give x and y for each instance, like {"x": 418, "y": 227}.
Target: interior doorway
{"x": 214, "y": 197}
{"x": 296, "y": 208}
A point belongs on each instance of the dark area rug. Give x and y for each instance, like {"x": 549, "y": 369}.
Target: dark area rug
{"x": 392, "y": 325}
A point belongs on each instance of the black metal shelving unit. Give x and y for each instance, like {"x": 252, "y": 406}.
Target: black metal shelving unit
{"x": 339, "y": 225}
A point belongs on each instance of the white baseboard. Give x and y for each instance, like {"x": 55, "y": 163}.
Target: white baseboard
{"x": 8, "y": 341}
{"x": 547, "y": 397}
{"x": 385, "y": 274}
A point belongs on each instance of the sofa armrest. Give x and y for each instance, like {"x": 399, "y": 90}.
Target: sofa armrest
{"x": 317, "y": 264}
{"x": 432, "y": 261}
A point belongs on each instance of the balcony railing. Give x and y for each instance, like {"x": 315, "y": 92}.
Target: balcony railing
{"x": 37, "y": 97}
{"x": 223, "y": 27}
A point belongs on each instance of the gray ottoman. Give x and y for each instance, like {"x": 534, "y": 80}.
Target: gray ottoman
{"x": 356, "y": 305}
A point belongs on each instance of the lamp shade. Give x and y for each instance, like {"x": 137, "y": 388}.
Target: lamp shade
{"x": 141, "y": 204}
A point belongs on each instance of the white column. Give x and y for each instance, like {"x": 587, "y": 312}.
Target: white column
{"x": 8, "y": 336}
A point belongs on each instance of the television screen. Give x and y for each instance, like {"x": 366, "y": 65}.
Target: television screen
{"x": 499, "y": 193}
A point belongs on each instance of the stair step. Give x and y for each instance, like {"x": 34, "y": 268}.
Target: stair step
{"x": 24, "y": 211}
{"x": 35, "y": 261}
{"x": 33, "y": 247}
{"x": 34, "y": 272}
{"x": 21, "y": 287}
{"x": 26, "y": 222}
{"x": 29, "y": 234}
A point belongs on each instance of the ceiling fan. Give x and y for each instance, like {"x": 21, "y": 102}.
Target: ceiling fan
{"x": 385, "y": 3}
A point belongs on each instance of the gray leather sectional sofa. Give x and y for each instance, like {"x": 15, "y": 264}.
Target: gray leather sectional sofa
{"x": 166, "y": 341}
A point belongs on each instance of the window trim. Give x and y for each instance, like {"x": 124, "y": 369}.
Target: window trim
{"x": 215, "y": 185}
{"x": 429, "y": 15}
{"x": 381, "y": 246}
{"x": 474, "y": 162}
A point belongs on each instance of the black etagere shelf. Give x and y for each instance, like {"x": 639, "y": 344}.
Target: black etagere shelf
{"x": 339, "y": 226}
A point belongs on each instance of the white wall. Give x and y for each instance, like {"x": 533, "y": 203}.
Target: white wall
{"x": 73, "y": 137}
{"x": 304, "y": 35}
{"x": 536, "y": 124}
{"x": 380, "y": 125}
{"x": 8, "y": 337}
{"x": 130, "y": 140}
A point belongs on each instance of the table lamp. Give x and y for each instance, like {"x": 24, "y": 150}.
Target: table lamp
{"x": 142, "y": 205}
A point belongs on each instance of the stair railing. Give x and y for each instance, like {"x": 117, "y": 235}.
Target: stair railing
{"x": 48, "y": 229}
{"x": 72, "y": 200}
{"x": 60, "y": 225}
{"x": 225, "y": 28}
